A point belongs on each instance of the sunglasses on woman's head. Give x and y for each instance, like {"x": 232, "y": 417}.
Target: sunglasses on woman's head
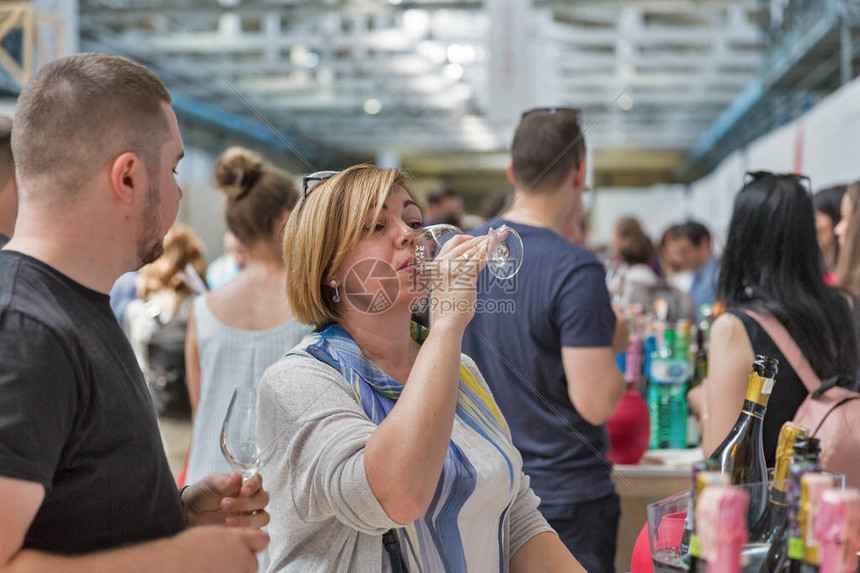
{"x": 803, "y": 180}
{"x": 312, "y": 181}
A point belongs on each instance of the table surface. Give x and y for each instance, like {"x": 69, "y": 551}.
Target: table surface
{"x": 661, "y": 473}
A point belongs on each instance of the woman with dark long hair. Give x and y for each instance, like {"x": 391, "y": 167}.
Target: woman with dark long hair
{"x": 772, "y": 265}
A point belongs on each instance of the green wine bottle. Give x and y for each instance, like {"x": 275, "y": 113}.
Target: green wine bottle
{"x": 741, "y": 455}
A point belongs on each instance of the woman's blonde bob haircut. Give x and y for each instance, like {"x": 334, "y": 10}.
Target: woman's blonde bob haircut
{"x": 325, "y": 226}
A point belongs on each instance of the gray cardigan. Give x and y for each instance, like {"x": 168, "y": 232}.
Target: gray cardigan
{"x": 324, "y": 514}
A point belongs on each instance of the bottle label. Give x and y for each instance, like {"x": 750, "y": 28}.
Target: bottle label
{"x": 669, "y": 371}
{"x": 795, "y": 548}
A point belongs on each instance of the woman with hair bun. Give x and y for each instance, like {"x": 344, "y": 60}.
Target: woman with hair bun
{"x": 241, "y": 328}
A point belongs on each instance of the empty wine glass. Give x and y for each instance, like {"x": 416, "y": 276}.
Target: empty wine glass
{"x": 239, "y": 434}
{"x": 504, "y": 255}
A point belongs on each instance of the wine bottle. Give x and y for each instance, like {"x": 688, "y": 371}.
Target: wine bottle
{"x": 806, "y": 450}
{"x": 722, "y": 525}
{"x": 837, "y": 528}
{"x": 698, "y": 375}
{"x": 771, "y": 528}
{"x": 704, "y": 478}
{"x": 690, "y": 519}
{"x": 812, "y": 486}
{"x": 741, "y": 454}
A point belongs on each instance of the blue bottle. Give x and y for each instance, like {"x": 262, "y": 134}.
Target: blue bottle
{"x": 667, "y": 395}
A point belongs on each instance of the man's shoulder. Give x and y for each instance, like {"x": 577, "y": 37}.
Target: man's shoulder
{"x": 28, "y": 302}
{"x": 21, "y": 282}
{"x": 546, "y": 244}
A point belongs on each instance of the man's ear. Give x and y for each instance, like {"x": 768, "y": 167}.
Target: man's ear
{"x": 127, "y": 174}
{"x": 579, "y": 177}
{"x": 510, "y": 172}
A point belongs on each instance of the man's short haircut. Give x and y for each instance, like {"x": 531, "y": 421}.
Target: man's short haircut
{"x": 7, "y": 163}
{"x": 547, "y": 147}
{"x": 78, "y": 113}
{"x": 694, "y": 231}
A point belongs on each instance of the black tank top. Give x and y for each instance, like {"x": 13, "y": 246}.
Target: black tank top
{"x": 788, "y": 391}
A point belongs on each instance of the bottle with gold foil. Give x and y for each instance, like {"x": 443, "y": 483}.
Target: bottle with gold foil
{"x": 806, "y": 450}
{"x": 771, "y": 528}
{"x": 741, "y": 454}
{"x": 812, "y": 486}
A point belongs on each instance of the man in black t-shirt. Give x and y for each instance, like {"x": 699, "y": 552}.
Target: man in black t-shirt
{"x": 82, "y": 469}
{"x": 8, "y": 188}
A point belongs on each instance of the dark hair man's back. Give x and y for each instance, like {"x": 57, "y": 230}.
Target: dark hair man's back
{"x": 543, "y": 340}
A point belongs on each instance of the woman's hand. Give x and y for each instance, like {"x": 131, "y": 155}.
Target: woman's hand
{"x": 454, "y": 276}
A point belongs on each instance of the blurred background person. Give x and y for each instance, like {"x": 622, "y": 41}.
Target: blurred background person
{"x": 156, "y": 323}
{"x": 494, "y": 204}
{"x": 633, "y": 251}
{"x": 444, "y": 206}
{"x": 634, "y": 283}
{"x": 827, "y": 203}
{"x": 8, "y": 187}
{"x": 123, "y": 292}
{"x": 433, "y": 207}
{"x": 848, "y": 235}
{"x": 240, "y": 329}
{"x": 690, "y": 246}
{"x": 671, "y": 267}
{"x": 227, "y": 266}
{"x": 771, "y": 265}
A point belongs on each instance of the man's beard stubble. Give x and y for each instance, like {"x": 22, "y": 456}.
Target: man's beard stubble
{"x": 150, "y": 246}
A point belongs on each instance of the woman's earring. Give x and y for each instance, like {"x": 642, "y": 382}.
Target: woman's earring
{"x": 336, "y": 297}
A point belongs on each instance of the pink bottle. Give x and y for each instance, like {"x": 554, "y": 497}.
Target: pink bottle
{"x": 721, "y": 524}
{"x": 837, "y": 528}
{"x": 630, "y": 426}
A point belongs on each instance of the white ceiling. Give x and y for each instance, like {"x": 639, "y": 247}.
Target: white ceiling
{"x": 444, "y": 76}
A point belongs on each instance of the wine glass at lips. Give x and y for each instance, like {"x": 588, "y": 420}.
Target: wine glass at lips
{"x": 504, "y": 249}
{"x": 239, "y": 434}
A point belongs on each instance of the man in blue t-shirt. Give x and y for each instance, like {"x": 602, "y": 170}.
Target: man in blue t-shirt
{"x": 543, "y": 340}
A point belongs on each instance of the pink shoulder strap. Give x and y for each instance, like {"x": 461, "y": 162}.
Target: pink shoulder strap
{"x": 789, "y": 349}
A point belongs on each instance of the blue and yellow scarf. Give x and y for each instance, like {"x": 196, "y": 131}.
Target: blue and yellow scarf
{"x": 434, "y": 538}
